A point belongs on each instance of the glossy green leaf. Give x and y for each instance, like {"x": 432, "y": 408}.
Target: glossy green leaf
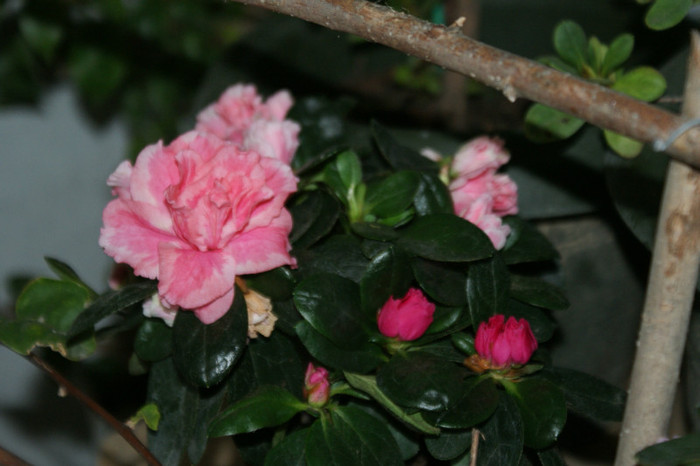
{"x": 277, "y": 284}
{"x": 331, "y": 305}
{"x": 374, "y": 231}
{"x": 550, "y": 457}
{"x": 463, "y": 342}
{"x": 664, "y": 14}
{"x": 313, "y": 218}
{"x": 476, "y": 402}
{"x": 205, "y": 354}
{"x": 388, "y": 275}
{"x": 447, "y": 319}
{"x": 399, "y": 156}
{"x": 154, "y": 340}
{"x": 488, "y": 283}
{"x": 368, "y": 385}
{"x": 392, "y": 195}
{"x": 53, "y": 303}
{"x": 618, "y": 52}
{"x": 537, "y": 292}
{"x": 449, "y": 444}
{"x": 527, "y": 245}
{"x": 501, "y": 440}
{"x": 66, "y": 272}
{"x": 587, "y": 395}
{"x": 268, "y": 406}
{"x": 545, "y": 124}
{"x": 543, "y": 409}
{"x": 432, "y": 196}
{"x": 149, "y": 414}
{"x": 291, "y": 451}
{"x": 111, "y": 302}
{"x": 349, "y": 438}
{"x": 420, "y": 380}
{"x": 363, "y": 359}
{"x": 338, "y": 255}
{"x": 643, "y": 83}
{"x": 444, "y": 282}
{"x": 445, "y": 237}
{"x": 680, "y": 451}
{"x": 349, "y": 168}
{"x": 542, "y": 325}
{"x": 570, "y": 43}
{"x": 622, "y": 145}
{"x": 596, "y": 53}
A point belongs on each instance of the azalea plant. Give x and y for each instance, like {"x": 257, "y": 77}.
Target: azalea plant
{"x": 322, "y": 302}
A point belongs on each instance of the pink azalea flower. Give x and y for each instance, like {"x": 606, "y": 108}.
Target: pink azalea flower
{"x": 316, "y": 385}
{"x": 194, "y": 215}
{"x": 407, "y": 318}
{"x": 504, "y": 343}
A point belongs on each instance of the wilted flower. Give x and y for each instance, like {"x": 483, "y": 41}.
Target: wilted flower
{"x": 503, "y": 342}
{"x": 316, "y": 385}
{"x": 407, "y": 318}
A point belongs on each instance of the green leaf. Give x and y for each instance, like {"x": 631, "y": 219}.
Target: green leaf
{"x": 277, "y": 284}
{"x": 551, "y": 457}
{"x": 43, "y": 37}
{"x": 543, "y": 410}
{"x": 476, "y": 402}
{"x": 205, "y": 354}
{"x": 338, "y": 255}
{"x": 664, "y": 14}
{"x": 331, "y": 304}
{"x": 392, "y": 195}
{"x": 587, "y": 395}
{"x": 444, "y": 282}
{"x": 538, "y": 293}
{"x": 399, "y": 156}
{"x": 446, "y": 320}
{"x": 541, "y": 323}
{"x": 622, "y": 145}
{"x": 153, "y": 341}
{"x": 313, "y": 218}
{"x": 501, "y": 439}
{"x": 374, "y": 231}
{"x": 463, "y": 342}
{"x": 149, "y": 413}
{"x": 111, "y": 302}
{"x": 420, "y": 380}
{"x": 368, "y": 385}
{"x": 643, "y": 83}
{"x": 268, "y": 406}
{"x": 570, "y": 43}
{"x": 528, "y": 245}
{"x": 291, "y": 451}
{"x": 432, "y": 196}
{"x": 449, "y": 444}
{"x": 445, "y": 237}
{"x": 65, "y": 272}
{"x": 680, "y": 451}
{"x": 364, "y": 359}
{"x": 488, "y": 283}
{"x": 545, "y": 124}
{"x": 97, "y": 72}
{"x": 349, "y": 169}
{"x": 619, "y": 51}
{"x": 349, "y": 438}
{"x": 388, "y": 274}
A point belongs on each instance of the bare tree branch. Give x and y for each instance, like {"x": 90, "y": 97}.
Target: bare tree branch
{"x": 513, "y": 75}
{"x": 670, "y": 293}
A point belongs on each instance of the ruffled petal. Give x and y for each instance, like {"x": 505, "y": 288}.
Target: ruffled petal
{"x": 213, "y": 311}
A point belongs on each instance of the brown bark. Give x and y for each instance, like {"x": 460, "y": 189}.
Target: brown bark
{"x": 515, "y": 76}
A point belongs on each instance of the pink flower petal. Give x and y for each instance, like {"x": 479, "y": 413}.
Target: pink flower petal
{"x": 216, "y": 309}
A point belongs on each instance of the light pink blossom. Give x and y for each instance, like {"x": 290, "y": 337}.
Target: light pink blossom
{"x": 406, "y": 318}
{"x": 505, "y": 342}
{"x": 242, "y": 117}
{"x": 316, "y": 385}
{"x": 194, "y": 215}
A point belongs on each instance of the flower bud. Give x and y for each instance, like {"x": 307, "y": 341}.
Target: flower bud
{"x": 407, "y": 318}
{"x": 504, "y": 343}
{"x": 316, "y": 385}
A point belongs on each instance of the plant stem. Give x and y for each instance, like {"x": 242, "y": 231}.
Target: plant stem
{"x": 74, "y": 391}
{"x": 672, "y": 281}
{"x": 513, "y": 75}
{"x": 474, "y": 452}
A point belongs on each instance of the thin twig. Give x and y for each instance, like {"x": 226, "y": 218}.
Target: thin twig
{"x": 74, "y": 391}
{"x": 670, "y": 293}
{"x": 513, "y": 75}
{"x": 473, "y": 453}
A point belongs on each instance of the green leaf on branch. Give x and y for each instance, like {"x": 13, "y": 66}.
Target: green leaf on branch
{"x": 537, "y": 292}
{"x": 680, "y": 451}
{"x": 313, "y": 218}
{"x": 399, "y": 156}
{"x": 331, "y": 305}
{"x": 545, "y": 124}
{"x": 502, "y": 437}
{"x": 551, "y": 457}
{"x": 543, "y": 410}
{"x": 622, "y": 145}
{"x": 204, "y": 354}
{"x": 664, "y": 14}
{"x": 388, "y": 274}
{"x": 391, "y": 196}
{"x": 445, "y": 237}
{"x": 476, "y": 402}
{"x": 153, "y": 341}
{"x": 587, "y": 395}
{"x": 449, "y": 444}
{"x": 618, "y": 52}
{"x": 570, "y": 43}
{"x": 268, "y": 406}
{"x": 43, "y": 37}
{"x": 337, "y": 255}
{"x": 277, "y": 284}
{"x": 420, "y": 380}
{"x": 643, "y": 83}
{"x": 149, "y": 414}
{"x": 349, "y": 438}
{"x": 444, "y": 282}
{"x": 349, "y": 169}
{"x": 65, "y": 272}
{"x": 291, "y": 451}
{"x": 109, "y": 303}
{"x": 368, "y": 385}
{"x": 541, "y": 323}
{"x": 432, "y": 196}
{"x": 527, "y": 245}
{"x": 488, "y": 283}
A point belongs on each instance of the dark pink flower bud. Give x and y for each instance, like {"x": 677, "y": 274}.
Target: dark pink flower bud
{"x": 504, "y": 343}
{"x": 316, "y": 385}
{"x": 407, "y": 318}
